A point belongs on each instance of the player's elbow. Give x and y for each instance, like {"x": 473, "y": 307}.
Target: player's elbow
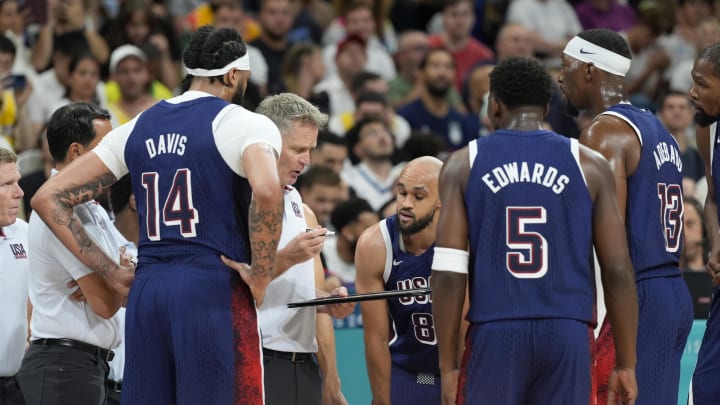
{"x": 40, "y": 200}
{"x": 268, "y": 194}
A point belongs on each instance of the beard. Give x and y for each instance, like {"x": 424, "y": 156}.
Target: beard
{"x": 703, "y": 119}
{"x": 239, "y": 97}
{"x": 417, "y": 225}
{"x": 438, "y": 90}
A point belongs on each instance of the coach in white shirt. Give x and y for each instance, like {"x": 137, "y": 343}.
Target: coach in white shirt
{"x": 70, "y": 340}
{"x": 13, "y": 279}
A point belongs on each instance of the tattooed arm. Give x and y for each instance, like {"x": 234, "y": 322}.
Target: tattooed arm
{"x": 266, "y": 214}
{"x": 81, "y": 181}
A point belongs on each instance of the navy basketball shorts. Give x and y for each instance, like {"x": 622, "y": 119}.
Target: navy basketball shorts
{"x": 413, "y": 388}
{"x": 526, "y": 362}
{"x": 705, "y": 389}
{"x": 191, "y": 338}
{"x": 664, "y": 321}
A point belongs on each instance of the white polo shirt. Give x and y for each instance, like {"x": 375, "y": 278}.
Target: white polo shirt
{"x": 54, "y": 314}
{"x": 13, "y": 296}
{"x": 282, "y": 328}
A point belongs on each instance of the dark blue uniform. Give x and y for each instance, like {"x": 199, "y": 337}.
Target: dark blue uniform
{"x": 705, "y": 388}
{"x": 191, "y": 322}
{"x": 531, "y": 287}
{"x": 413, "y": 348}
{"x": 654, "y": 224}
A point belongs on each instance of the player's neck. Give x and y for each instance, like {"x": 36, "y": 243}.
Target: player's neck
{"x": 610, "y": 93}
{"x": 417, "y": 243}
{"x": 524, "y": 119}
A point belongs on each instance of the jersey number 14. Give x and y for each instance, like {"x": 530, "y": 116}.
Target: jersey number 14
{"x": 178, "y": 209}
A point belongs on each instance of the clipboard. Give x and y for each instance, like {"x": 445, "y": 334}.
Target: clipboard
{"x": 415, "y": 292}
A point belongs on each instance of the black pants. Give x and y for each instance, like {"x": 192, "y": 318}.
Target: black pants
{"x": 113, "y": 393}
{"x": 291, "y": 383}
{"x": 52, "y": 375}
{"x": 10, "y": 392}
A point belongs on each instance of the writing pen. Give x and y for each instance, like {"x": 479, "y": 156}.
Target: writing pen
{"x": 328, "y": 233}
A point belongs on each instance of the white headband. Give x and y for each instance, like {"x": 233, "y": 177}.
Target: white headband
{"x": 602, "y": 58}
{"x": 241, "y": 63}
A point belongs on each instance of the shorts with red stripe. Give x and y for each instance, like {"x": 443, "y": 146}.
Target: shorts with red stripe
{"x": 191, "y": 338}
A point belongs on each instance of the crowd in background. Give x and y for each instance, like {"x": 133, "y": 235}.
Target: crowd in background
{"x": 399, "y": 79}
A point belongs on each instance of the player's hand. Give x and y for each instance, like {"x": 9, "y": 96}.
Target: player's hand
{"x": 331, "y": 393}
{"x": 449, "y": 385}
{"x": 257, "y": 289}
{"x": 713, "y": 267}
{"x": 337, "y": 311}
{"x": 77, "y": 295}
{"x": 622, "y": 387}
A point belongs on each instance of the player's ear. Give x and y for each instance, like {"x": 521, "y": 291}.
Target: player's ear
{"x": 132, "y": 203}
{"x": 589, "y": 71}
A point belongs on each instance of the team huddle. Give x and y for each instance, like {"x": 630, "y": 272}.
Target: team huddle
{"x": 504, "y": 231}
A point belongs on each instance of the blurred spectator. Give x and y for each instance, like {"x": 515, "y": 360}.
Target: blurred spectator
{"x": 32, "y": 180}
{"x": 371, "y": 148}
{"x": 83, "y": 82}
{"x": 15, "y": 125}
{"x": 230, "y": 14}
{"x": 63, "y": 17}
{"x": 137, "y": 25}
{"x": 676, "y": 114}
{"x": 431, "y": 110}
{"x": 405, "y": 87}
{"x": 371, "y": 104}
{"x": 646, "y": 78}
{"x": 708, "y": 33}
{"x": 321, "y": 188}
{"x": 681, "y": 43}
{"x": 349, "y": 218}
{"x": 275, "y": 20}
{"x": 129, "y": 69}
{"x": 478, "y": 88}
{"x": 609, "y": 14}
{"x": 312, "y": 17}
{"x": 423, "y": 143}
{"x": 513, "y": 40}
{"x": 350, "y": 59}
{"x": 696, "y": 246}
{"x": 12, "y": 24}
{"x": 50, "y": 86}
{"x": 359, "y": 21}
{"x": 551, "y": 23}
{"x": 302, "y": 69}
{"x": 458, "y": 18}
{"x": 383, "y": 27}
{"x": 330, "y": 152}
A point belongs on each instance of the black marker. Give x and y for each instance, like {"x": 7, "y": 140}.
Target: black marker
{"x": 328, "y": 233}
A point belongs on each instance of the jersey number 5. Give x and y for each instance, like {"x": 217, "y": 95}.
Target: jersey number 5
{"x": 528, "y": 251}
{"x": 671, "y": 210}
{"x": 178, "y": 209}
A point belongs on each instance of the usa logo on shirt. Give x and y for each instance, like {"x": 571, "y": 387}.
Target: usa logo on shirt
{"x": 296, "y": 209}
{"x": 18, "y": 250}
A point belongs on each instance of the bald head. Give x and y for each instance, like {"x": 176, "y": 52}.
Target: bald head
{"x": 514, "y": 40}
{"x": 417, "y": 197}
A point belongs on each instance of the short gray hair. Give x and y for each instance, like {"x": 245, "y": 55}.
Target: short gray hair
{"x": 285, "y": 108}
{"x": 7, "y": 156}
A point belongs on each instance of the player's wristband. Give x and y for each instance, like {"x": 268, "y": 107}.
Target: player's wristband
{"x": 452, "y": 260}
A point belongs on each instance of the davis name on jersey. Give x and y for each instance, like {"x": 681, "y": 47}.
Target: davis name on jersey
{"x": 514, "y": 172}
{"x": 665, "y": 153}
{"x": 167, "y": 143}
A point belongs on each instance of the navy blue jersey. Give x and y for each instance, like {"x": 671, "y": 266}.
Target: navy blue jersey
{"x": 654, "y": 207}
{"x": 530, "y": 229}
{"x": 414, "y": 344}
{"x": 171, "y": 154}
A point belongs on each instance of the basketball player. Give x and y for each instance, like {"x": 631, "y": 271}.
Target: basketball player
{"x": 396, "y": 254}
{"x": 191, "y": 326}
{"x": 530, "y": 203}
{"x": 647, "y": 167}
{"x": 705, "y": 389}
